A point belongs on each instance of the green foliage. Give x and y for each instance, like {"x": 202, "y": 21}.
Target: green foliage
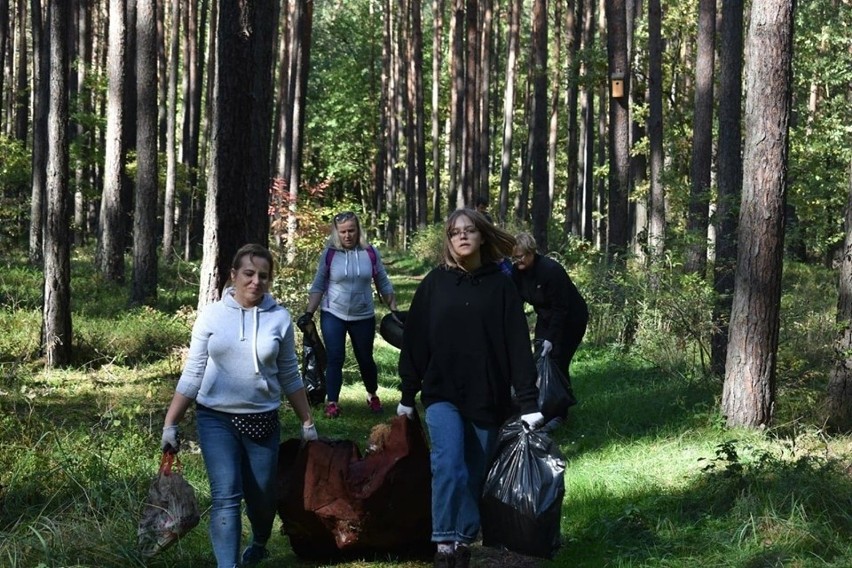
{"x": 343, "y": 95}
{"x": 427, "y": 245}
{"x": 821, "y": 141}
{"x": 15, "y": 175}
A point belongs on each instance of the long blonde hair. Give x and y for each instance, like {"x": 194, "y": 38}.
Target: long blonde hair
{"x": 497, "y": 244}
{"x": 333, "y": 240}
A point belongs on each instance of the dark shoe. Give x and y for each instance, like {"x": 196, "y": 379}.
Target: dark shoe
{"x": 462, "y": 557}
{"x": 254, "y": 555}
{"x": 444, "y": 560}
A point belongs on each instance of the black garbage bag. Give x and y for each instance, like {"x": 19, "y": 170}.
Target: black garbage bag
{"x": 391, "y": 327}
{"x": 313, "y": 362}
{"x": 555, "y": 394}
{"x": 522, "y": 497}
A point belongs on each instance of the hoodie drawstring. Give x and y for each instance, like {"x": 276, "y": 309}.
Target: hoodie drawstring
{"x": 254, "y": 335}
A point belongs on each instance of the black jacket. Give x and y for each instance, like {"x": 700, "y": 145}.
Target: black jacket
{"x": 561, "y": 312}
{"x": 466, "y": 341}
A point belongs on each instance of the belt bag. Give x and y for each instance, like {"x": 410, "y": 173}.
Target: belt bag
{"x": 258, "y": 426}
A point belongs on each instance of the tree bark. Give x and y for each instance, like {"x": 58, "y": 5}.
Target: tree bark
{"x": 56, "y": 322}
{"x": 41, "y": 102}
{"x": 238, "y": 181}
{"x": 619, "y": 130}
{"x": 702, "y": 140}
{"x": 513, "y": 41}
{"x": 171, "y": 126}
{"x": 730, "y": 174}
{"x": 4, "y": 41}
{"x": 110, "y": 255}
{"x": 22, "y": 91}
{"x": 144, "y": 289}
{"x": 437, "y": 39}
{"x": 748, "y": 396}
{"x": 656, "y": 201}
{"x": 538, "y": 130}
{"x": 839, "y": 400}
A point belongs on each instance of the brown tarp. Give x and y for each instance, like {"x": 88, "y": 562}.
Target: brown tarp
{"x": 334, "y": 501}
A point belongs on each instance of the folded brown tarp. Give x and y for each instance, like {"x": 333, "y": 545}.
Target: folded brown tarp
{"x": 334, "y": 502}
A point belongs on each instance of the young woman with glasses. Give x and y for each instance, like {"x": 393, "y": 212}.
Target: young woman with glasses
{"x": 466, "y": 344}
{"x": 342, "y": 290}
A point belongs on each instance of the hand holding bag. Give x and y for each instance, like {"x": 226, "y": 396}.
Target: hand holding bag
{"x": 170, "y": 510}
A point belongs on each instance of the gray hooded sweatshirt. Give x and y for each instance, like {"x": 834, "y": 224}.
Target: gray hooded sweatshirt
{"x": 347, "y": 284}
{"x": 241, "y": 360}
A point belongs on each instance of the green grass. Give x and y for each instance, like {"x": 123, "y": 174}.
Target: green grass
{"x": 653, "y": 478}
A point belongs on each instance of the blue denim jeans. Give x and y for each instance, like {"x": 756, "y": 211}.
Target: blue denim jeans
{"x": 461, "y": 452}
{"x": 362, "y": 333}
{"x": 237, "y": 468}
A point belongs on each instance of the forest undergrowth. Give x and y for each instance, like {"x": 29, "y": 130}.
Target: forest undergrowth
{"x": 653, "y": 476}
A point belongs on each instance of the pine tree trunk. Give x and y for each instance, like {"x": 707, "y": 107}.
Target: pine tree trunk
{"x": 144, "y": 289}
{"x": 730, "y": 174}
{"x": 110, "y": 255}
{"x": 538, "y": 130}
{"x": 619, "y": 130}
{"x": 748, "y": 396}
{"x": 56, "y": 330}
{"x": 839, "y": 401}
{"x": 41, "y": 101}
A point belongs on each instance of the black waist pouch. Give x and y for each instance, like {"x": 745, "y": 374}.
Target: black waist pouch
{"x": 258, "y": 426}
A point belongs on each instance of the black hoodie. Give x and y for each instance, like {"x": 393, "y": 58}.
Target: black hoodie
{"x": 466, "y": 341}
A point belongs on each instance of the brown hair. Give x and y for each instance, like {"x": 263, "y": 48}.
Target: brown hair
{"x": 497, "y": 244}
{"x": 252, "y": 250}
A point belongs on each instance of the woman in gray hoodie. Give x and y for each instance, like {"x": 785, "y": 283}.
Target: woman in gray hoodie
{"x": 342, "y": 288}
{"x": 242, "y": 359}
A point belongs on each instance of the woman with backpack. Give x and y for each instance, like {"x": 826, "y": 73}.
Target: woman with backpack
{"x": 342, "y": 290}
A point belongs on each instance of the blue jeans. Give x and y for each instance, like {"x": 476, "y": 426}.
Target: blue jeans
{"x": 461, "y": 453}
{"x": 362, "y": 333}
{"x": 237, "y": 468}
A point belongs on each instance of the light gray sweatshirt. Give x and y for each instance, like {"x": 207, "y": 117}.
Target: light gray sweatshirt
{"x": 347, "y": 284}
{"x": 241, "y": 360}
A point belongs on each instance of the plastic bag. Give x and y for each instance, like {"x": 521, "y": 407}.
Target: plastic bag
{"x": 391, "y": 328}
{"x": 523, "y": 492}
{"x": 170, "y": 510}
{"x": 555, "y": 395}
{"x": 313, "y": 363}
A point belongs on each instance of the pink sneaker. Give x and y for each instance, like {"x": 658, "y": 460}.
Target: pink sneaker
{"x": 374, "y": 404}
{"x": 332, "y": 410}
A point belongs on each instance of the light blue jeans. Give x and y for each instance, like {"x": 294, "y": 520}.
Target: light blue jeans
{"x": 362, "y": 333}
{"x": 237, "y": 468}
{"x": 461, "y": 453}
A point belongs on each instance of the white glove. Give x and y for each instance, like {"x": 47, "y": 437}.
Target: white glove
{"x": 546, "y": 347}
{"x": 309, "y": 433}
{"x": 533, "y": 420}
{"x": 407, "y": 411}
{"x": 170, "y": 442}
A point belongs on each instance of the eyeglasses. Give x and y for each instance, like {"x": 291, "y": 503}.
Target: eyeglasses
{"x": 455, "y": 233}
{"x": 340, "y": 217}
{"x": 518, "y": 258}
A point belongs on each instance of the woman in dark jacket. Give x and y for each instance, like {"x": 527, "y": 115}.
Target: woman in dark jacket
{"x": 561, "y": 312}
{"x": 466, "y": 344}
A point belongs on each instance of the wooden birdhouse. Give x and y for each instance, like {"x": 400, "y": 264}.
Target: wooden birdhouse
{"x": 617, "y": 82}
